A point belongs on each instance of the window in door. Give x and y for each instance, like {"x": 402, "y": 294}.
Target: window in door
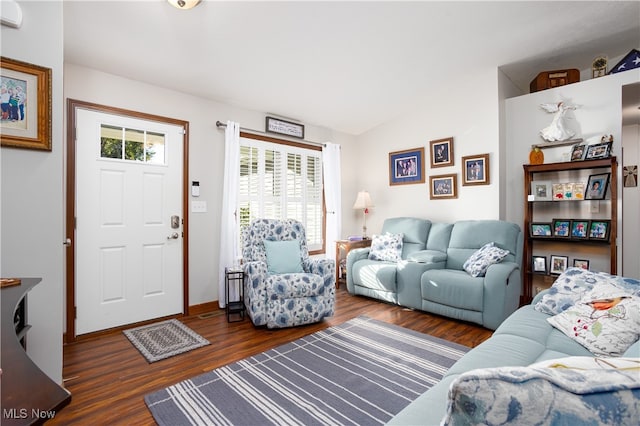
{"x": 121, "y": 143}
{"x": 279, "y": 181}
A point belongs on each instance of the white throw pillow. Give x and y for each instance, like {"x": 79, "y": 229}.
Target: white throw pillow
{"x": 387, "y": 247}
{"x": 604, "y": 328}
{"x": 485, "y": 256}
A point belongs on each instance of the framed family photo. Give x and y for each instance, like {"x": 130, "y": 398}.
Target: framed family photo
{"x": 406, "y": 167}
{"x": 26, "y": 105}
{"x": 581, "y": 263}
{"x": 579, "y": 229}
{"x": 561, "y": 228}
{"x": 600, "y": 150}
{"x": 597, "y": 186}
{"x": 578, "y": 152}
{"x": 441, "y": 152}
{"x": 558, "y": 264}
{"x": 599, "y": 230}
{"x": 475, "y": 170}
{"x": 540, "y": 229}
{"x": 443, "y": 186}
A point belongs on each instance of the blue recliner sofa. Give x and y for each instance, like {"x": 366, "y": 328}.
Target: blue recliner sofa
{"x": 430, "y": 276}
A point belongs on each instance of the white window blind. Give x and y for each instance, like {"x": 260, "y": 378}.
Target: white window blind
{"x": 280, "y": 181}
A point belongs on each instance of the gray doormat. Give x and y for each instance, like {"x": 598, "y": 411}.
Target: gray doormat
{"x": 164, "y": 339}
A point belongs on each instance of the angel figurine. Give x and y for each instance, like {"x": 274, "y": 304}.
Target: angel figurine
{"x": 558, "y": 130}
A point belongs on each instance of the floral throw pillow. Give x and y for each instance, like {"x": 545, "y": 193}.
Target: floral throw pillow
{"x": 387, "y": 247}
{"x": 485, "y": 256}
{"x": 606, "y": 321}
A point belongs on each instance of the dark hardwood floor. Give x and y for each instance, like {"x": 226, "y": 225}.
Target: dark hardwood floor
{"x": 108, "y": 377}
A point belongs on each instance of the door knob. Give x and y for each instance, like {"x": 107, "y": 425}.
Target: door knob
{"x": 173, "y": 236}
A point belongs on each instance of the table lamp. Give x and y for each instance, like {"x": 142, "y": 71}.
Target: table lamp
{"x": 363, "y": 201}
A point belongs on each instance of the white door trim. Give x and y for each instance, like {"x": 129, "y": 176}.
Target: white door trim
{"x": 72, "y": 107}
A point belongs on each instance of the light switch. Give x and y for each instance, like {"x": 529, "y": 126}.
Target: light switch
{"x": 198, "y": 207}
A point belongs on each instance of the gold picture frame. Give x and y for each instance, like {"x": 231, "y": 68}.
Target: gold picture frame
{"x": 443, "y": 186}
{"x": 26, "y": 116}
{"x": 475, "y": 170}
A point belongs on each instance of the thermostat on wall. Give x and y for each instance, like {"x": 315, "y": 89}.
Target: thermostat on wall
{"x": 195, "y": 188}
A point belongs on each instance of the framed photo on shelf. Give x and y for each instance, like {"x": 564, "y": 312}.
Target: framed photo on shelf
{"x": 558, "y": 264}
{"x": 406, "y": 167}
{"x": 475, "y": 170}
{"x": 600, "y": 150}
{"x": 539, "y": 229}
{"x": 578, "y": 152}
{"x": 441, "y": 152}
{"x": 541, "y": 190}
{"x": 26, "y": 120}
{"x": 443, "y": 186}
{"x": 599, "y": 230}
{"x": 581, "y": 263}
{"x": 539, "y": 264}
{"x": 597, "y": 186}
{"x": 580, "y": 229}
{"x": 561, "y": 228}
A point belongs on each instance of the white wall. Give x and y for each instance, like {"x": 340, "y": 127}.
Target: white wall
{"x": 631, "y": 204}
{"x": 466, "y": 110}
{"x": 206, "y": 153}
{"x": 600, "y": 113}
{"x": 32, "y": 193}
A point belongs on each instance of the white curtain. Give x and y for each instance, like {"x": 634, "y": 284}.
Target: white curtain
{"x": 332, "y": 193}
{"x": 229, "y": 250}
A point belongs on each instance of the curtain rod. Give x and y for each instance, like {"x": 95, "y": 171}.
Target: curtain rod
{"x": 258, "y": 132}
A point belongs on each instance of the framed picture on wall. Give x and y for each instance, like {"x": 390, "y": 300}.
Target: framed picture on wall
{"x": 26, "y": 114}
{"x": 406, "y": 167}
{"x": 475, "y": 170}
{"x": 441, "y": 152}
{"x": 443, "y": 186}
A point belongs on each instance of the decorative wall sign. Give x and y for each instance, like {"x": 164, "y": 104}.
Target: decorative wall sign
{"x": 26, "y": 105}
{"x": 630, "y": 174}
{"x": 283, "y": 127}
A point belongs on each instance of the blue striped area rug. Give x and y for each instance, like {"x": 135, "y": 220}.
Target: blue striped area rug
{"x": 362, "y": 372}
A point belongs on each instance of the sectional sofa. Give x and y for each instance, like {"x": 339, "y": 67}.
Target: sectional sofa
{"x": 533, "y": 372}
{"x": 423, "y": 265}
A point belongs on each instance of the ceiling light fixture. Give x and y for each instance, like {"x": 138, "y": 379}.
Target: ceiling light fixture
{"x": 184, "y": 4}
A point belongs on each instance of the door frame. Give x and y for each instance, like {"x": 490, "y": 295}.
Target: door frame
{"x": 70, "y": 221}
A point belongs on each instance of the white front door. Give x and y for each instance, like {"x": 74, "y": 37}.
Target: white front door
{"x": 129, "y": 240}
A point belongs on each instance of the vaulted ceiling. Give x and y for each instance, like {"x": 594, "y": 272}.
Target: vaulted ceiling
{"x": 349, "y": 66}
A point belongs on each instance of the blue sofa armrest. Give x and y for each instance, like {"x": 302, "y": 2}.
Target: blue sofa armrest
{"x": 502, "y": 287}
{"x": 354, "y": 256}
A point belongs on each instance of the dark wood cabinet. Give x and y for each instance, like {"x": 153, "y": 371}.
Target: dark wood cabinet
{"x": 28, "y": 395}
{"x": 534, "y": 245}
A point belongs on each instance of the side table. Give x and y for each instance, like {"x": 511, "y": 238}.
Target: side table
{"x": 346, "y": 246}
{"x": 234, "y": 277}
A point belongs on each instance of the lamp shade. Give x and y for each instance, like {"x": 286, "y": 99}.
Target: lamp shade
{"x": 363, "y": 201}
{"x": 184, "y": 4}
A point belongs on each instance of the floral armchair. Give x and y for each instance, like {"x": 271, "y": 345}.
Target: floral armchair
{"x": 283, "y": 286}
